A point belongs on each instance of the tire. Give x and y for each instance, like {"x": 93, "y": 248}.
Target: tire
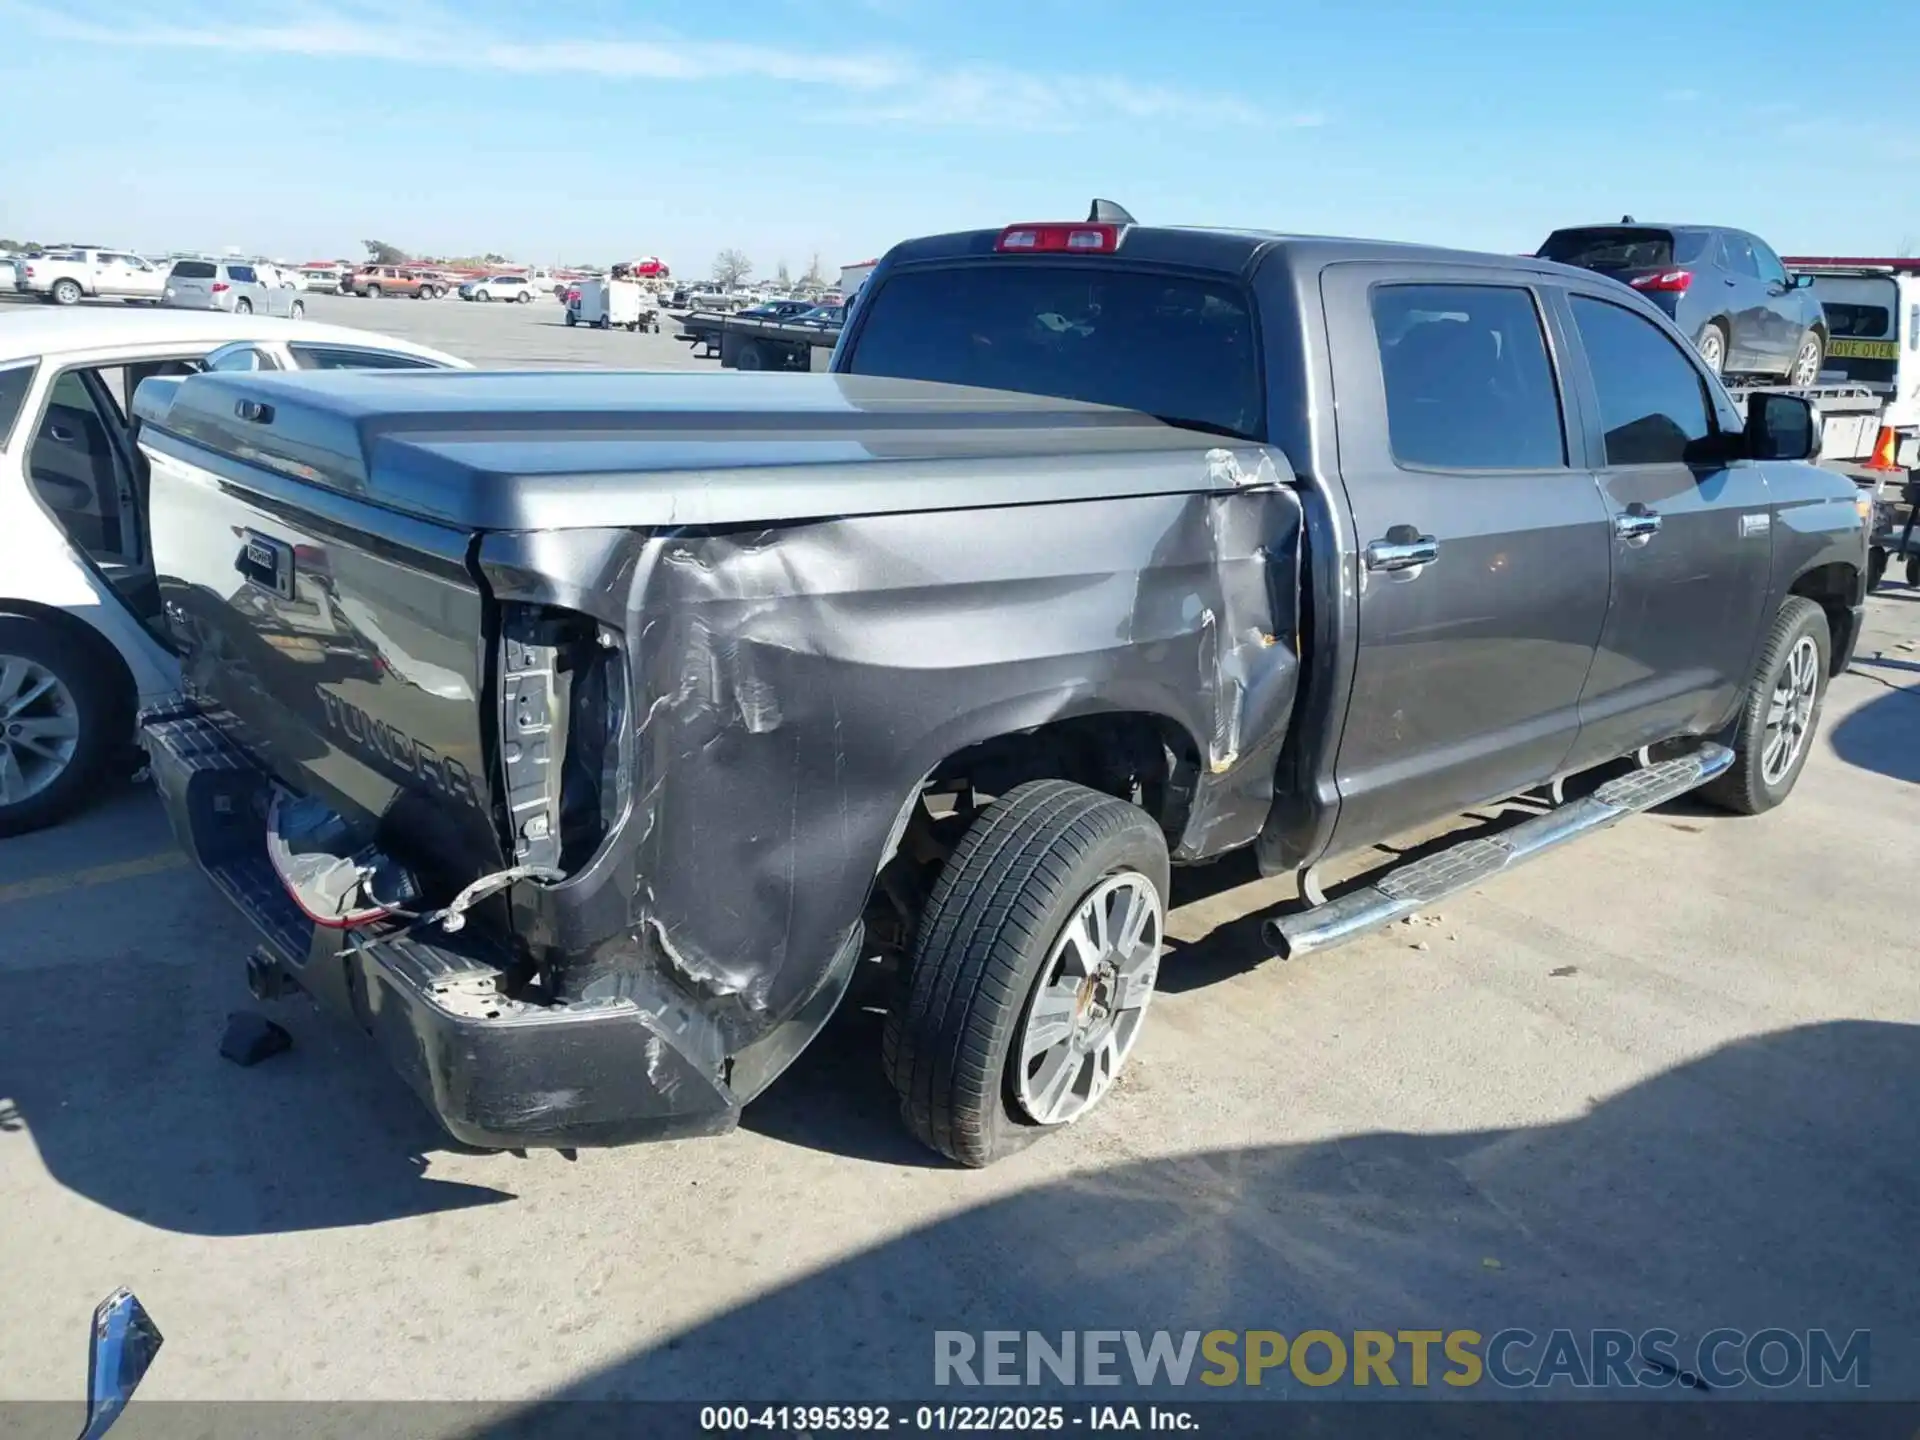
{"x": 373, "y": 292}
{"x": 1913, "y": 570}
{"x": 525, "y": 297}
{"x": 35, "y": 791}
{"x": 1876, "y": 566}
{"x": 243, "y": 306}
{"x": 1805, "y": 370}
{"x": 992, "y": 942}
{"x": 1757, "y": 780}
{"x": 572, "y": 320}
{"x": 66, "y": 292}
{"x": 1712, "y": 345}
{"x": 486, "y": 295}
{"x": 605, "y": 322}
{"x": 749, "y": 358}
{"x": 298, "y": 311}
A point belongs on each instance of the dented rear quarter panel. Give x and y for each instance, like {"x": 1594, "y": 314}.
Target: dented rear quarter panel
{"x": 795, "y": 685}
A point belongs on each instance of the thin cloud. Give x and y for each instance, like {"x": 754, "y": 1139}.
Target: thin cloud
{"x": 889, "y": 86}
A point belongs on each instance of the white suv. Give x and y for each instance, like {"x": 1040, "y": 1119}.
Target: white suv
{"x": 498, "y": 287}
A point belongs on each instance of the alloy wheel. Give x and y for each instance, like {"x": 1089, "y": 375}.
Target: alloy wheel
{"x": 1790, "y": 712}
{"x": 39, "y": 728}
{"x": 1089, "y": 1000}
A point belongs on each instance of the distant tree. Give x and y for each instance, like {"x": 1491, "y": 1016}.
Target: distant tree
{"x": 730, "y": 267}
{"x": 1909, "y": 247}
{"x": 782, "y": 278}
{"x": 6, "y": 244}
{"x": 493, "y": 259}
{"x": 381, "y": 253}
{"x": 815, "y": 277}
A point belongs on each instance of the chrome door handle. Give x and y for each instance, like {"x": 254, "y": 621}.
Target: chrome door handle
{"x": 1402, "y": 554}
{"x": 1636, "y": 524}
{"x": 61, "y": 435}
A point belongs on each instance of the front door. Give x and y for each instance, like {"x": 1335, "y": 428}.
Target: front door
{"x": 1692, "y": 542}
{"x": 1483, "y": 574}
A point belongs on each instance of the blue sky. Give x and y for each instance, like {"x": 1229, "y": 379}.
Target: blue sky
{"x": 594, "y": 129}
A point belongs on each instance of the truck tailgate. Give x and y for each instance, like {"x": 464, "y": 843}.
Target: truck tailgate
{"x": 343, "y": 644}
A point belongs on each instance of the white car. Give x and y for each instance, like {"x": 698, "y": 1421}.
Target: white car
{"x": 499, "y": 287}
{"x": 66, "y": 277}
{"x": 77, "y": 593}
{"x": 322, "y": 279}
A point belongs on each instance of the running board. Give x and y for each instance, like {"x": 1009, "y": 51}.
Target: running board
{"x": 1410, "y": 888}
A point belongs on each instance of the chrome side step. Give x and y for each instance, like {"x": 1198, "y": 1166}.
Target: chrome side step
{"x": 1409, "y": 888}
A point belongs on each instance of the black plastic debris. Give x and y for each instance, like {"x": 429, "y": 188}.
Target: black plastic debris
{"x": 251, "y": 1038}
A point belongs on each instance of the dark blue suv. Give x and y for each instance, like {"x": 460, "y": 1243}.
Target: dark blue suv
{"x": 1723, "y": 287}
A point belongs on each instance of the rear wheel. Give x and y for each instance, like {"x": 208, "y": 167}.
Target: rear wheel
{"x": 1712, "y": 346}
{"x": 1807, "y": 361}
{"x": 58, "y": 715}
{"x": 749, "y": 358}
{"x": 66, "y": 292}
{"x": 243, "y": 306}
{"x": 299, "y": 310}
{"x": 1913, "y": 570}
{"x": 525, "y": 297}
{"x": 373, "y": 292}
{"x": 1774, "y": 732}
{"x": 572, "y": 320}
{"x": 1031, "y": 971}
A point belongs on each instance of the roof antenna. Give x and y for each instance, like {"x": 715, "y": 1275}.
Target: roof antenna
{"x": 1105, "y": 212}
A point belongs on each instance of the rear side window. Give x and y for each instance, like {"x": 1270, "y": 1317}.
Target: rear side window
{"x": 15, "y": 381}
{"x": 193, "y": 270}
{"x": 1653, "y": 402}
{"x": 328, "y": 357}
{"x": 1468, "y": 382}
{"x": 1178, "y": 347}
{"x": 242, "y": 274}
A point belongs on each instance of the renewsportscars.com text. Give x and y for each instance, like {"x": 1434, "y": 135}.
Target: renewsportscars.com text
{"x": 1512, "y": 1359}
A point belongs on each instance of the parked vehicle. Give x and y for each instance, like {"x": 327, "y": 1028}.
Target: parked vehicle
{"x": 1724, "y": 288}
{"x": 498, "y": 287}
{"x": 961, "y": 649}
{"x": 225, "y": 285}
{"x": 607, "y": 303}
{"x": 79, "y": 611}
{"x": 323, "y": 279}
{"x": 376, "y": 281}
{"x": 66, "y": 277}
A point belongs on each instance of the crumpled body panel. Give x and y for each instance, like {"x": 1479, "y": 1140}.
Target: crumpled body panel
{"x": 793, "y": 687}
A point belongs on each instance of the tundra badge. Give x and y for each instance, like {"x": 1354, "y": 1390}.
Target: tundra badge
{"x": 1752, "y": 525}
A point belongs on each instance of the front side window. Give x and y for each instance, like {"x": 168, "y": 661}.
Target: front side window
{"x": 1468, "y": 382}
{"x": 1740, "y": 257}
{"x": 1653, "y": 402}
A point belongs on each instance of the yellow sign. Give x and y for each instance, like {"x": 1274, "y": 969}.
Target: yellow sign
{"x": 1864, "y": 349}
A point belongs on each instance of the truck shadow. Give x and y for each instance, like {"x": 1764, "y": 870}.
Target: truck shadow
{"x": 1883, "y": 735}
{"x": 1765, "y": 1183}
{"x": 111, "y": 1071}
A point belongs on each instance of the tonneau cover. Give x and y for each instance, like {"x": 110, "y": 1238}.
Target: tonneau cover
{"x": 529, "y": 450}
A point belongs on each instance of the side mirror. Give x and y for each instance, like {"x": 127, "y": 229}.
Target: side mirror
{"x": 1801, "y": 282}
{"x": 125, "y": 1340}
{"x": 1782, "y": 427}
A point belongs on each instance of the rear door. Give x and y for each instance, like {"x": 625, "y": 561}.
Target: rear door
{"x": 1485, "y": 547}
{"x": 1753, "y": 348}
{"x": 191, "y": 283}
{"x": 1692, "y": 543}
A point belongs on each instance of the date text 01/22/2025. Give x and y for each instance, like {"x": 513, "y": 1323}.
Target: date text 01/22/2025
{"x": 971, "y": 1419}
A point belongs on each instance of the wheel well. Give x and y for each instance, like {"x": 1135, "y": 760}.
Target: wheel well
{"x": 83, "y": 636}
{"x": 1142, "y": 758}
{"x": 1832, "y": 587}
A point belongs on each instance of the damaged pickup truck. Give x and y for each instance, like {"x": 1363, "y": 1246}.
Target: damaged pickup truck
{"x": 579, "y": 735}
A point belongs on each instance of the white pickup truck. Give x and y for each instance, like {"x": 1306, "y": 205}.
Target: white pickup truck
{"x": 65, "y": 277}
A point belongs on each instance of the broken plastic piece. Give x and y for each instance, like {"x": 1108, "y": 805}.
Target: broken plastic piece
{"x": 251, "y": 1038}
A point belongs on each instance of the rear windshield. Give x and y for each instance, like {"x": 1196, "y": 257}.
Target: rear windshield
{"x": 1614, "y": 247}
{"x": 1859, "y": 322}
{"x": 192, "y": 270}
{"x": 1178, "y": 347}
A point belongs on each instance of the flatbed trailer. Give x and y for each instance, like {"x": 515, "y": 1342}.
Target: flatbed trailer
{"x": 750, "y": 344}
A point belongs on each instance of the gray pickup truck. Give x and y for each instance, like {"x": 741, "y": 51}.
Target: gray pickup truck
{"x": 579, "y": 736}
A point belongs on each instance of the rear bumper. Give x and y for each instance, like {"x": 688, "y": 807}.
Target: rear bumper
{"x": 498, "y": 1072}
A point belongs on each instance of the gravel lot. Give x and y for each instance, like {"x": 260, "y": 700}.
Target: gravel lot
{"x": 1667, "y": 1076}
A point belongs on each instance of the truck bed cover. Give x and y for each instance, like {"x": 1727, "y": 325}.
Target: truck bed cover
{"x": 565, "y": 450}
